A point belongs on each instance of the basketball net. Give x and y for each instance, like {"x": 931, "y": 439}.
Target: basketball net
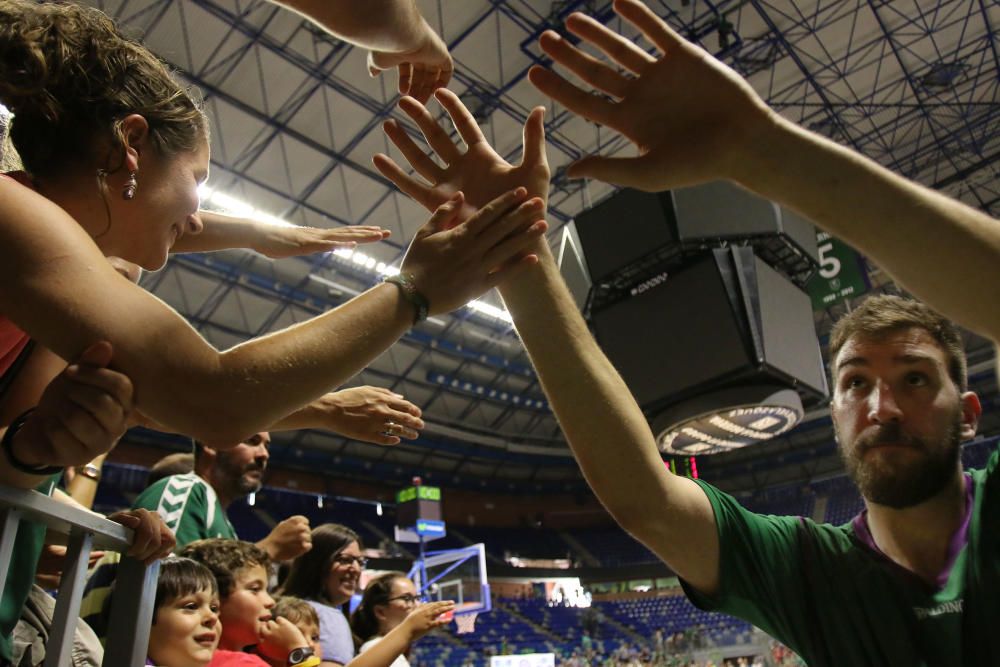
{"x": 465, "y": 623}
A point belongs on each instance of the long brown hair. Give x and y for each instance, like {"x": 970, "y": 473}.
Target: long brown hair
{"x": 307, "y": 577}
{"x": 364, "y": 624}
{"x": 70, "y": 77}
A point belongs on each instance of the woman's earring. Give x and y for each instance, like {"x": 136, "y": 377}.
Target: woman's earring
{"x": 128, "y": 192}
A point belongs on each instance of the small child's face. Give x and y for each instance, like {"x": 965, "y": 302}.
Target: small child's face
{"x": 185, "y": 631}
{"x": 310, "y": 631}
{"x": 246, "y": 609}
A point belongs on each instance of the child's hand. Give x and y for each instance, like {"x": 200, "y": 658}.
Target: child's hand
{"x": 426, "y": 617}
{"x": 278, "y": 637}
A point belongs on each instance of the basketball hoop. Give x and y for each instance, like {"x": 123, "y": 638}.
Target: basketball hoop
{"x": 465, "y": 623}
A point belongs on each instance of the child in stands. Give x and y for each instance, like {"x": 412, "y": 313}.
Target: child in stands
{"x": 303, "y": 616}
{"x": 185, "y": 627}
{"x": 250, "y": 636}
{"x": 390, "y": 614}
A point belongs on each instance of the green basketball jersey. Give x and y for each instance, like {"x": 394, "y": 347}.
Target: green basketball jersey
{"x": 189, "y": 507}
{"x": 835, "y": 600}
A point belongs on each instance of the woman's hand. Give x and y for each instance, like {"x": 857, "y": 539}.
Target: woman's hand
{"x": 367, "y": 414}
{"x": 280, "y": 241}
{"x": 453, "y": 262}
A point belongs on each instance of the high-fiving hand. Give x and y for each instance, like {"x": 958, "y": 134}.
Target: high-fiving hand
{"x": 689, "y": 115}
{"x": 478, "y": 172}
{"x": 422, "y": 70}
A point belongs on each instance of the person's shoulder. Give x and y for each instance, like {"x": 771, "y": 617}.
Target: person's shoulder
{"x": 175, "y": 489}
{"x": 325, "y": 610}
{"x": 182, "y": 482}
{"x": 827, "y": 532}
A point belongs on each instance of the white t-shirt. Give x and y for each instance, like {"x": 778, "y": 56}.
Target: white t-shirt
{"x": 401, "y": 661}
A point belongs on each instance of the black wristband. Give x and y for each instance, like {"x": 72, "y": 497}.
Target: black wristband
{"x": 410, "y": 292}
{"x": 7, "y": 444}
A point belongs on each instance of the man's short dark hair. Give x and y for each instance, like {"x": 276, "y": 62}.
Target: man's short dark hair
{"x": 226, "y": 558}
{"x": 172, "y": 464}
{"x": 880, "y": 315}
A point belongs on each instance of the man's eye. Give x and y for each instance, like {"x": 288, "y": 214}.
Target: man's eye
{"x": 916, "y": 379}
{"x": 855, "y": 382}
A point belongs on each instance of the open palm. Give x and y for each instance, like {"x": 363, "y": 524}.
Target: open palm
{"x": 687, "y": 113}
{"x": 478, "y": 172}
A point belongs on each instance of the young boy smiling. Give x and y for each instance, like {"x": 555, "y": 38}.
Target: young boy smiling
{"x": 185, "y": 628}
{"x": 250, "y": 635}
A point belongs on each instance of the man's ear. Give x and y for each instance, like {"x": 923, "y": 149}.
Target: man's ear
{"x": 135, "y": 137}
{"x": 206, "y": 458}
{"x": 972, "y": 410}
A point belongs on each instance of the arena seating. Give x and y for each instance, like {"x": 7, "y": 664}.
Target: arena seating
{"x": 613, "y": 547}
{"x": 511, "y": 628}
{"x": 525, "y": 542}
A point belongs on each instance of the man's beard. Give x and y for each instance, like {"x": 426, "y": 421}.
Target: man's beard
{"x": 239, "y": 481}
{"x": 901, "y": 484}
{"x": 248, "y": 485}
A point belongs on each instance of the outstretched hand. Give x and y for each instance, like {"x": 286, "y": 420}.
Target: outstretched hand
{"x": 369, "y": 414}
{"x": 279, "y": 241}
{"x": 478, "y": 172}
{"x": 422, "y": 70}
{"x": 689, "y": 115}
{"x": 452, "y": 261}
{"x": 428, "y": 616}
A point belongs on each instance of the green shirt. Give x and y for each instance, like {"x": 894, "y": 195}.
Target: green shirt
{"x": 189, "y": 507}
{"x": 836, "y": 601}
{"x": 28, "y": 545}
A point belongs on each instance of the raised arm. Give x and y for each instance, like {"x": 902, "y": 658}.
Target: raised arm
{"x": 693, "y": 119}
{"x": 397, "y": 641}
{"x": 394, "y": 32}
{"x": 221, "y": 232}
{"x": 56, "y": 285}
{"x": 604, "y": 427}
{"x": 607, "y": 431}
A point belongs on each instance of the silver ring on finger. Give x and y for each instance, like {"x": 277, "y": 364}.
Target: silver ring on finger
{"x": 390, "y": 429}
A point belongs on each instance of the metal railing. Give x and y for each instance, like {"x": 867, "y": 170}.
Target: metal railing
{"x": 135, "y": 585}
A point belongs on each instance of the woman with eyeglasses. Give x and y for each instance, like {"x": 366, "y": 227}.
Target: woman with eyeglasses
{"x": 326, "y": 577}
{"x": 387, "y": 601}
